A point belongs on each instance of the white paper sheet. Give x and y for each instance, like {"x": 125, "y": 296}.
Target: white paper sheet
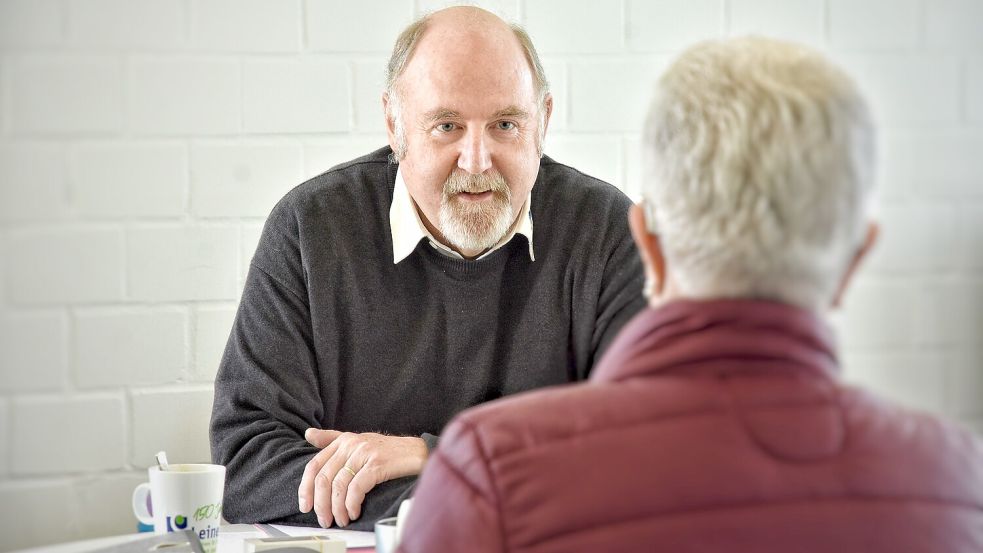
{"x": 352, "y": 538}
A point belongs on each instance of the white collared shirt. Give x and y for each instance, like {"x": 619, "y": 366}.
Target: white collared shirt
{"x": 408, "y": 228}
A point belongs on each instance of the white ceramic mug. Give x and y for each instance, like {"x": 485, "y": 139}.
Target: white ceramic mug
{"x": 184, "y": 497}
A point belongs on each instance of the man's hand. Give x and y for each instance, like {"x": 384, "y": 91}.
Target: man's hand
{"x": 348, "y": 466}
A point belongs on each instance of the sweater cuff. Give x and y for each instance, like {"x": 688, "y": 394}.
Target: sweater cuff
{"x": 431, "y": 441}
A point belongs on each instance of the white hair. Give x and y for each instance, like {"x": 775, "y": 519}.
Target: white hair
{"x": 759, "y": 159}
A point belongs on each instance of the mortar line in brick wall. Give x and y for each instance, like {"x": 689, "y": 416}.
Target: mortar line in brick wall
{"x": 242, "y": 96}
{"x": 625, "y": 25}
{"x": 962, "y": 92}
{"x": 191, "y": 341}
{"x": 5, "y": 94}
{"x": 128, "y": 428}
{"x": 352, "y": 117}
{"x": 725, "y": 14}
{"x": 5, "y": 413}
{"x": 921, "y": 40}
{"x": 127, "y": 70}
{"x": 71, "y": 334}
{"x": 189, "y": 175}
{"x": 827, "y": 23}
{"x": 304, "y": 39}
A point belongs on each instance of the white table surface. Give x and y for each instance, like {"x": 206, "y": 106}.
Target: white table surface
{"x": 229, "y": 539}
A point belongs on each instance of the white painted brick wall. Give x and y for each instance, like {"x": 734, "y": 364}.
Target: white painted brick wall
{"x": 575, "y": 26}
{"x": 182, "y": 263}
{"x": 954, "y": 24}
{"x": 64, "y": 265}
{"x": 323, "y": 154}
{"x": 370, "y": 79}
{"x": 948, "y": 163}
{"x": 965, "y": 383}
{"x": 175, "y": 420}
{"x": 874, "y": 24}
{"x": 65, "y": 94}
{"x": 671, "y": 25}
{"x": 143, "y": 142}
{"x": 974, "y": 90}
{"x": 910, "y": 90}
{"x": 211, "y": 334}
{"x": 125, "y": 179}
{"x": 507, "y": 9}
{"x": 364, "y": 26}
{"x": 559, "y": 79}
{"x": 4, "y": 438}
{"x": 913, "y": 237}
{"x": 32, "y": 182}
{"x": 969, "y": 234}
{"x": 26, "y": 367}
{"x": 799, "y": 20}
{"x": 56, "y": 435}
{"x": 242, "y": 180}
{"x": 598, "y": 156}
{"x": 114, "y": 347}
{"x": 590, "y": 80}
{"x": 246, "y": 25}
{"x": 880, "y": 314}
{"x": 126, "y": 23}
{"x": 185, "y": 95}
{"x": 953, "y": 314}
{"x": 922, "y": 376}
{"x": 295, "y": 96}
{"x": 29, "y": 508}
{"x": 105, "y": 502}
{"x": 30, "y": 22}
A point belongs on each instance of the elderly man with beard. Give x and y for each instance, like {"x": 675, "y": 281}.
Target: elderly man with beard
{"x": 386, "y": 295}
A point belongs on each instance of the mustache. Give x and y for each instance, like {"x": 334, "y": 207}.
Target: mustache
{"x": 461, "y": 181}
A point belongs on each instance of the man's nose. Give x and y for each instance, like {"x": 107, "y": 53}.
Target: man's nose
{"x": 475, "y": 157}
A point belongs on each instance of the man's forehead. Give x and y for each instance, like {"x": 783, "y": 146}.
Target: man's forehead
{"x": 467, "y": 86}
{"x": 512, "y": 111}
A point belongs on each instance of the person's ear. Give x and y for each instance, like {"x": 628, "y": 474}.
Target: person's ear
{"x": 390, "y": 124}
{"x": 649, "y": 248}
{"x": 873, "y": 230}
{"x": 548, "y": 107}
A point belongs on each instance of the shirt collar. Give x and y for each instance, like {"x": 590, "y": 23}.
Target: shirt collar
{"x": 408, "y": 229}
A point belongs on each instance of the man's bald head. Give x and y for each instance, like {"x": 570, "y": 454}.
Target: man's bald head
{"x": 459, "y": 32}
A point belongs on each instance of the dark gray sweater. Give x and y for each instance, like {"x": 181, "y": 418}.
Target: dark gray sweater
{"x": 331, "y": 334}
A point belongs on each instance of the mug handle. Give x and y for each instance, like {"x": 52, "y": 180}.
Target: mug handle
{"x": 142, "y": 507}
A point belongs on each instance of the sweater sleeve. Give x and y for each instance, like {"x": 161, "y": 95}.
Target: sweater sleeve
{"x": 455, "y": 507}
{"x": 266, "y": 389}
{"x": 267, "y": 393}
{"x": 621, "y": 283}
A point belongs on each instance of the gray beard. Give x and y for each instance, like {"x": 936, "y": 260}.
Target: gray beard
{"x": 471, "y": 226}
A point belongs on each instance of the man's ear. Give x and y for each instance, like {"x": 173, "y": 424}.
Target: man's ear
{"x": 548, "y": 106}
{"x": 649, "y": 249}
{"x": 390, "y": 124}
{"x": 873, "y": 230}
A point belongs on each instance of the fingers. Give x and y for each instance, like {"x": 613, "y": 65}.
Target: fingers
{"x": 320, "y": 438}
{"x": 341, "y": 485}
{"x": 306, "y": 491}
{"x": 335, "y": 493}
{"x": 363, "y": 482}
{"x": 327, "y": 482}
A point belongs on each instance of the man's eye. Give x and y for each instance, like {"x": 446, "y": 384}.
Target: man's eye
{"x": 445, "y": 127}
{"x": 506, "y": 125}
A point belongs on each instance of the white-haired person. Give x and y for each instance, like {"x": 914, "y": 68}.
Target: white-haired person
{"x": 717, "y": 420}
